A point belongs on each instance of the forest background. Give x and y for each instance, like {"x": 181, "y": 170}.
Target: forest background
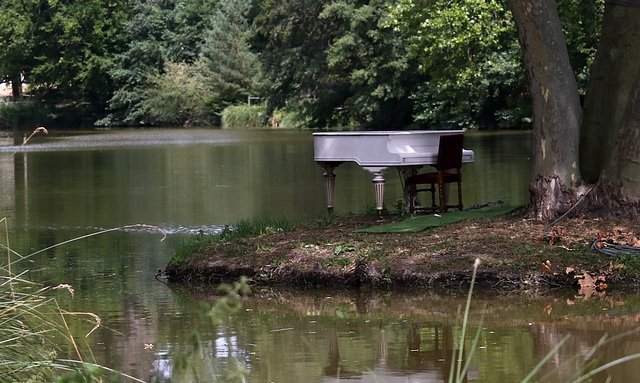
{"x": 371, "y": 64}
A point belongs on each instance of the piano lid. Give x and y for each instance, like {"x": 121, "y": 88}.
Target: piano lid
{"x": 382, "y": 148}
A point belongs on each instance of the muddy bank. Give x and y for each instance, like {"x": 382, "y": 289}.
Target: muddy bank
{"x": 515, "y": 253}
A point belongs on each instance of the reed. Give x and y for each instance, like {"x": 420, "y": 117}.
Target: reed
{"x": 39, "y": 129}
{"x": 34, "y": 333}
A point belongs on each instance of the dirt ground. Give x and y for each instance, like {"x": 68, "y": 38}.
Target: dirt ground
{"x": 514, "y": 253}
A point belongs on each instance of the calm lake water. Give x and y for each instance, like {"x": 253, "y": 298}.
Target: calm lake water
{"x": 66, "y": 185}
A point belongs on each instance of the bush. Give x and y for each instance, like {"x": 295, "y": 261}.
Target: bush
{"x": 14, "y": 115}
{"x": 285, "y": 118}
{"x": 244, "y": 116}
{"x": 177, "y": 97}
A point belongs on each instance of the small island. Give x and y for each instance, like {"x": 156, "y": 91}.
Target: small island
{"x": 516, "y": 253}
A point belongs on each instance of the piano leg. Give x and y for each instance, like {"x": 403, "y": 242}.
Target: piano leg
{"x": 378, "y": 185}
{"x": 329, "y": 181}
{"x": 330, "y": 186}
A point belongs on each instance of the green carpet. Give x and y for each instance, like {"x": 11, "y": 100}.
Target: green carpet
{"x": 423, "y": 222}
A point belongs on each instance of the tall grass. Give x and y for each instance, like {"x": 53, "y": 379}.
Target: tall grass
{"x": 34, "y": 332}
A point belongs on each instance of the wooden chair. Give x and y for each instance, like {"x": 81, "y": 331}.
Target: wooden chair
{"x": 449, "y": 158}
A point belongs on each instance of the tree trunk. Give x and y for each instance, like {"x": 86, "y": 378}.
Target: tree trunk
{"x": 619, "y": 191}
{"x": 613, "y": 74}
{"x": 16, "y": 87}
{"x": 556, "y": 107}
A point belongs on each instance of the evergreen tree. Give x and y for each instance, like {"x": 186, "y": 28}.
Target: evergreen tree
{"x": 229, "y": 67}
{"x": 146, "y": 54}
{"x": 293, "y": 41}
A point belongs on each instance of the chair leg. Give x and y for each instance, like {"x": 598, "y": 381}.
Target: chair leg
{"x": 443, "y": 206}
{"x": 412, "y": 198}
{"x": 460, "y": 194}
{"x": 433, "y": 196}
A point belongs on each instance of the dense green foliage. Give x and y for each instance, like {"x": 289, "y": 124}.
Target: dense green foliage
{"x": 470, "y": 53}
{"x": 369, "y": 64}
{"x": 176, "y": 97}
{"x": 244, "y": 116}
{"x": 63, "y": 49}
{"x": 160, "y": 32}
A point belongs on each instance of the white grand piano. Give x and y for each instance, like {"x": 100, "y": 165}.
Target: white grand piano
{"x": 376, "y": 152}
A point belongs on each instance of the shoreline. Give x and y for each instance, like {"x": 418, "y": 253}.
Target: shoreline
{"x": 516, "y": 254}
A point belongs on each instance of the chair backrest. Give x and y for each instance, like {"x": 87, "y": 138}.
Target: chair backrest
{"x": 450, "y": 152}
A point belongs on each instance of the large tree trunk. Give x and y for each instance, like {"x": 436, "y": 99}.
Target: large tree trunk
{"x": 619, "y": 191}
{"x": 613, "y": 74}
{"x": 556, "y": 107}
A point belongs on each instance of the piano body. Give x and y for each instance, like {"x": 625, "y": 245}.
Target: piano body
{"x": 376, "y": 152}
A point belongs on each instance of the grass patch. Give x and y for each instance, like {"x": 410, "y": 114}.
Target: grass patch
{"x": 236, "y": 236}
{"x": 337, "y": 261}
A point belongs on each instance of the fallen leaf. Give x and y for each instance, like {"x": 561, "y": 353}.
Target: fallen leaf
{"x": 587, "y": 285}
{"x": 546, "y": 268}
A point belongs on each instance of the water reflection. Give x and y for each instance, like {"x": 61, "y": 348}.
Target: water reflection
{"x": 313, "y": 336}
{"x": 430, "y": 351}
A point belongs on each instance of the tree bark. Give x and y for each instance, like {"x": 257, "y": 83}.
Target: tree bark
{"x": 16, "y": 87}
{"x": 556, "y": 107}
{"x": 613, "y": 74}
{"x": 619, "y": 191}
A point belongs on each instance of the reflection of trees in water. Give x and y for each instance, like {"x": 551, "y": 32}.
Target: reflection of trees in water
{"x": 431, "y": 347}
{"x": 430, "y": 351}
{"x": 581, "y": 353}
{"x": 391, "y": 335}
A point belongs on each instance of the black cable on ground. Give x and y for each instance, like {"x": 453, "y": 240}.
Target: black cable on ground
{"x": 614, "y": 249}
{"x": 571, "y": 208}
